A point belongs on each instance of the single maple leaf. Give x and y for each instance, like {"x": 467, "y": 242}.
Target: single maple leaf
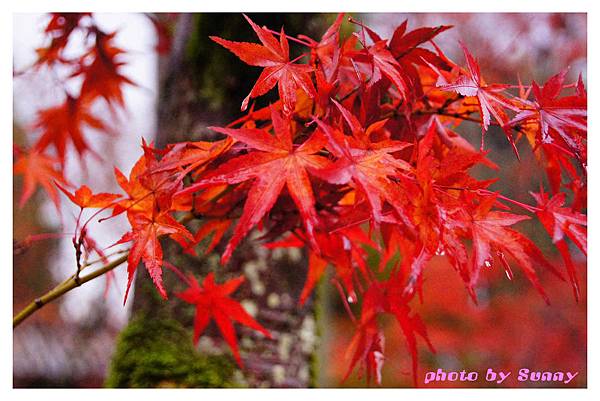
{"x": 403, "y": 43}
{"x": 38, "y": 169}
{"x": 84, "y": 198}
{"x": 146, "y": 246}
{"x": 213, "y": 302}
{"x": 490, "y": 100}
{"x": 490, "y": 233}
{"x": 367, "y": 347}
{"x": 274, "y": 163}
{"x": 381, "y": 63}
{"x": 274, "y": 56}
{"x": 558, "y": 221}
{"x": 562, "y": 220}
{"x": 64, "y": 124}
{"x": 411, "y": 326}
{"x": 385, "y": 297}
{"x": 565, "y": 116}
{"x": 100, "y": 71}
{"x": 328, "y": 45}
{"x": 404, "y": 46}
{"x": 368, "y": 165}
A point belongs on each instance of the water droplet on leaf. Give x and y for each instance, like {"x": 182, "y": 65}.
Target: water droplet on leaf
{"x": 440, "y": 250}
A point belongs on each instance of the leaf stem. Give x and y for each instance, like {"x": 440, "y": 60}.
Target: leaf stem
{"x": 293, "y": 39}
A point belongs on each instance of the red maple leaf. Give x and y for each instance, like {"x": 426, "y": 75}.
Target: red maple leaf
{"x": 562, "y": 220}
{"x": 100, "y": 70}
{"x": 562, "y": 118}
{"x": 274, "y": 56}
{"x": 558, "y": 221}
{"x": 367, "y": 347}
{"x": 213, "y": 302}
{"x": 64, "y": 124}
{"x": 191, "y": 155}
{"x": 386, "y": 297}
{"x": 274, "y": 163}
{"x": 380, "y": 61}
{"x": 404, "y": 46}
{"x": 368, "y": 165}
{"x": 490, "y": 233}
{"x": 490, "y": 100}
{"x": 146, "y": 246}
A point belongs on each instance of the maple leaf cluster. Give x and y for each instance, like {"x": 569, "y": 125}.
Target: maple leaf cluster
{"x": 65, "y": 125}
{"x": 362, "y": 150}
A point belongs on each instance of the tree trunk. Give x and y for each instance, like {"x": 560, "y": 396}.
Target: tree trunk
{"x": 202, "y": 84}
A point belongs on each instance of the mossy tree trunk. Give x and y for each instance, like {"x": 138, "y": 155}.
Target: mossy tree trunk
{"x": 202, "y": 84}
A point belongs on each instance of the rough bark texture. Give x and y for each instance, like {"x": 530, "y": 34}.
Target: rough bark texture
{"x": 203, "y": 84}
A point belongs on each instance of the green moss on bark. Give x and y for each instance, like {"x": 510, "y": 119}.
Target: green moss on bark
{"x": 155, "y": 352}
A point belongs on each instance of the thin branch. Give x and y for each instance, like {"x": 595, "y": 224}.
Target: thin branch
{"x": 64, "y": 287}
{"x": 102, "y": 259}
{"x": 76, "y": 281}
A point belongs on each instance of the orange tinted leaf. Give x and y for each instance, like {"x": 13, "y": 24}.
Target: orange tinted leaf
{"x": 83, "y": 197}
{"x": 38, "y": 169}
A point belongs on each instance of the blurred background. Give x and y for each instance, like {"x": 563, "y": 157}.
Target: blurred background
{"x": 69, "y": 343}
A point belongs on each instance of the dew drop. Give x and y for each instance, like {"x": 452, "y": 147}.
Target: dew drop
{"x": 487, "y": 263}
{"x": 351, "y": 299}
{"x": 440, "y": 250}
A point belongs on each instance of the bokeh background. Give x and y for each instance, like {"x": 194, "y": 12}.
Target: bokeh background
{"x": 69, "y": 343}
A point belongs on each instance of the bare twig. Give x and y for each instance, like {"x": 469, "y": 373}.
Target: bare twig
{"x": 77, "y": 280}
{"x": 64, "y": 287}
